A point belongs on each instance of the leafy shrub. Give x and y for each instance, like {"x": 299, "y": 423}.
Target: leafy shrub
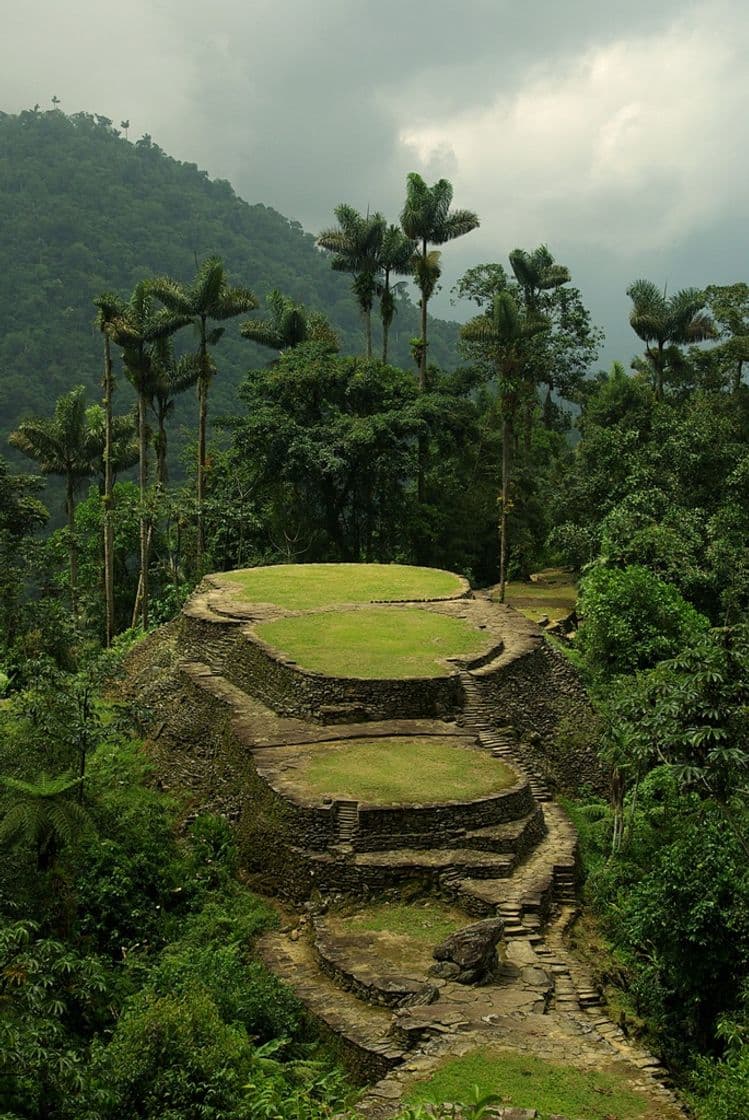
{"x": 632, "y": 620}
{"x": 244, "y": 994}
{"x": 173, "y": 1057}
{"x": 723, "y": 1086}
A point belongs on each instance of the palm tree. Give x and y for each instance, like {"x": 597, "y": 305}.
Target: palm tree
{"x": 61, "y": 444}
{"x": 501, "y": 335}
{"x": 288, "y": 325}
{"x": 109, "y": 307}
{"x": 44, "y": 814}
{"x": 396, "y": 258}
{"x": 136, "y": 330}
{"x": 356, "y": 242}
{"x": 170, "y": 376}
{"x": 427, "y": 218}
{"x": 124, "y": 443}
{"x": 208, "y": 298}
{"x": 537, "y": 272}
{"x": 665, "y": 323}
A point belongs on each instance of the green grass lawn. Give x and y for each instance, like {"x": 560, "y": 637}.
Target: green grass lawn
{"x": 306, "y": 586}
{"x": 402, "y": 770}
{"x": 374, "y": 642}
{"x": 551, "y": 594}
{"x": 401, "y": 935}
{"x": 428, "y": 922}
{"x": 527, "y": 1082}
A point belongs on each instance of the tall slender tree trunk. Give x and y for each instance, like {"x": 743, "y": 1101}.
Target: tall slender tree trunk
{"x": 422, "y": 387}
{"x": 72, "y": 544}
{"x": 108, "y": 498}
{"x": 423, "y": 355}
{"x": 368, "y": 318}
{"x": 162, "y": 473}
{"x": 145, "y": 536}
{"x": 503, "y": 510}
{"x": 200, "y": 491}
{"x": 202, "y": 424}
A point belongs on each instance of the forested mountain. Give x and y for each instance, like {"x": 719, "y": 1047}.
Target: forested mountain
{"x": 83, "y": 210}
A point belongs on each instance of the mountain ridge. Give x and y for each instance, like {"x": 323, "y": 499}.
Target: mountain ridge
{"x": 84, "y": 210}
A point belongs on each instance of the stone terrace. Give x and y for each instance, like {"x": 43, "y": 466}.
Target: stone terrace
{"x": 231, "y": 715}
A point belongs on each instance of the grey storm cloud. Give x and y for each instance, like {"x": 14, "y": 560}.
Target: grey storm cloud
{"x": 616, "y": 133}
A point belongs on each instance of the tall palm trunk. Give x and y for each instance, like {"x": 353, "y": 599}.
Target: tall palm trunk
{"x": 503, "y": 510}
{"x": 162, "y": 471}
{"x": 72, "y": 544}
{"x": 386, "y": 316}
{"x": 145, "y": 535}
{"x": 659, "y": 373}
{"x": 108, "y": 498}
{"x": 202, "y": 424}
{"x": 368, "y": 318}
{"x": 423, "y": 354}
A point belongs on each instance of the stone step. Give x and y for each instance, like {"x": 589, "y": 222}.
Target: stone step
{"x": 513, "y": 836}
{"x": 455, "y": 861}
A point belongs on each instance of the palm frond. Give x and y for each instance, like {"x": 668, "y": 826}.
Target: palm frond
{"x": 172, "y": 295}
{"x": 456, "y": 224}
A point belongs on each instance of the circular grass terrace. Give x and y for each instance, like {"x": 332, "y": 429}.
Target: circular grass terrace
{"x": 521, "y": 1080}
{"x": 400, "y": 771}
{"x": 389, "y": 939}
{"x": 375, "y": 642}
{"x": 310, "y": 586}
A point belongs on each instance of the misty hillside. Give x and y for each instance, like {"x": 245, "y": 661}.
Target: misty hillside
{"x": 82, "y": 210}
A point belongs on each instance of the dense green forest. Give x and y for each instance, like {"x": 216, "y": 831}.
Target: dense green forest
{"x": 83, "y": 210}
{"x": 127, "y": 986}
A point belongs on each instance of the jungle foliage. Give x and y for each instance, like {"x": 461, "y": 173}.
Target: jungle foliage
{"x": 127, "y": 984}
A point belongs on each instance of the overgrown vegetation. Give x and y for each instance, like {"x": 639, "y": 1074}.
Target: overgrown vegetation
{"x": 128, "y": 986}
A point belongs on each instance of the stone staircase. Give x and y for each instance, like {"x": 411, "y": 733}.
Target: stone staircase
{"x": 502, "y": 742}
{"x": 347, "y": 820}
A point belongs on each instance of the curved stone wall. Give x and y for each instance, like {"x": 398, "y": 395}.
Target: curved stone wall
{"x": 217, "y": 629}
{"x": 291, "y": 690}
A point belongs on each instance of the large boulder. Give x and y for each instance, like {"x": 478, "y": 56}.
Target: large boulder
{"x": 470, "y": 955}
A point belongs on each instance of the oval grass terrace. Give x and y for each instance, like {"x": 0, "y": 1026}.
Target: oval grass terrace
{"x": 396, "y": 771}
{"x": 311, "y": 586}
{"x": 375, "y": 643}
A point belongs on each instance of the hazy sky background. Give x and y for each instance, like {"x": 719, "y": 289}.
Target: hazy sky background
{"x": 615, "y": 133}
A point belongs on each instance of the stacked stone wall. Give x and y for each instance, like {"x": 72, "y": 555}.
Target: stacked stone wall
{"x": 379, "y": 824}
{"x": 292, "y": 691}
{"x": 535, "y": 693}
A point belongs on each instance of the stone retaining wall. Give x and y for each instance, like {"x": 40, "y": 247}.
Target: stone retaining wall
{"x": 535, "y": 692}
{"x": 379, "y": 990}
{"x": 292, "y": 691}
{"x": 379, "y": 825}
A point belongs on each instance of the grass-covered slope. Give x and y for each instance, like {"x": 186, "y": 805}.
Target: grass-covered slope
{"x": 82, "y": 210}
{"x": 525, "y": 1081}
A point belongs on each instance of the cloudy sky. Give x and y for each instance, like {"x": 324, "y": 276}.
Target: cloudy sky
{"x": 615, "y": 133}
